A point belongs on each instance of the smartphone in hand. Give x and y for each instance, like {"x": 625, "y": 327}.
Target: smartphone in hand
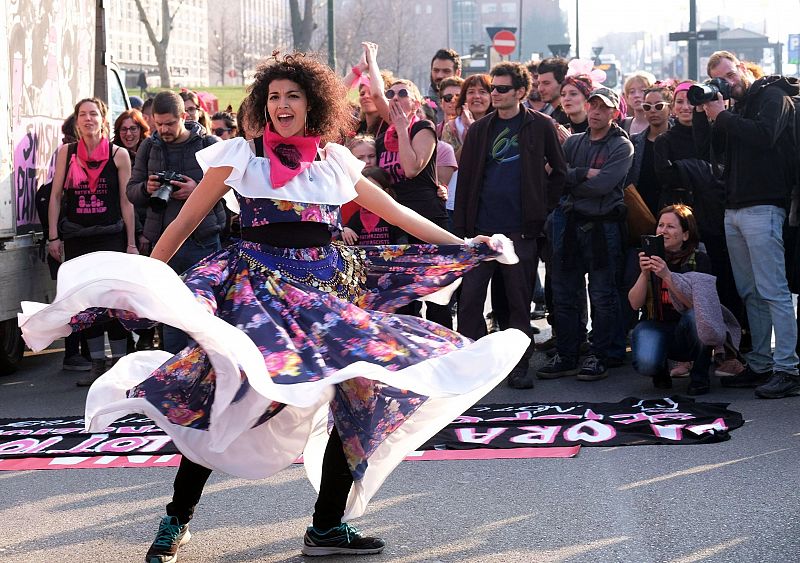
{"x": 653, "y": 245}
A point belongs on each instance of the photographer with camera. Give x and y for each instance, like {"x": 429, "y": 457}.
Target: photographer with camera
{"x": 756, "y": 138}
{"x": 164, "y": 175}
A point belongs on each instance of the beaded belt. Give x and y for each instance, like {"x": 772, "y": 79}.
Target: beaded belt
{"x": 342, "y": 271}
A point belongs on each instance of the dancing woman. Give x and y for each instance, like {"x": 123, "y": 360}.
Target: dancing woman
{"x": 290, "y": 331}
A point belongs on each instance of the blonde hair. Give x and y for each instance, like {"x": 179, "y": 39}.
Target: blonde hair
{"x": 410, "y": 86}
{"x": 642, "y": 76}
{"x": 360, "y": 139}
{"x": 716, "y": 58}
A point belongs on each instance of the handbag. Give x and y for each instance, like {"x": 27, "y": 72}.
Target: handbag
{"x": 640, "y": 219}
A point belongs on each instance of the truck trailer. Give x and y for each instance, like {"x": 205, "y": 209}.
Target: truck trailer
{"x": 52, "y": 54}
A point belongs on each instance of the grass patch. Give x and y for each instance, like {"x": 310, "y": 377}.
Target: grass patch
{"x": 226, "y": 95}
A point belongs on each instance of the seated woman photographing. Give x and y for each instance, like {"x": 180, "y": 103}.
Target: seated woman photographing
{"x": 667, "y": 333}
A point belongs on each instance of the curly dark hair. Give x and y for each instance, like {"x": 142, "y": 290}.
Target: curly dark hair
{"x": 329, "y": 114}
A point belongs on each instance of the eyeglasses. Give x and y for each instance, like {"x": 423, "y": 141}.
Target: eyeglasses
{"x": 131, "y": 129}
{"x": 502, "y": 88}
{"x": 220, "y": 130}
{"x": 191, "y": 110}
{"x": 402, "y": 93}
{"x": 449, "y": 97}
{"x": 658, "y": 106}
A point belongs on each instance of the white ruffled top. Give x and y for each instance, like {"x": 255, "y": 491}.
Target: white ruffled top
{"x": 330, "y": 180}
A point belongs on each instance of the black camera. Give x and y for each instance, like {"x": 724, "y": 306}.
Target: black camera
{"x": 160, "y": 197}
{"x": 701, "y": 93}
{"x": 653, "y": 245}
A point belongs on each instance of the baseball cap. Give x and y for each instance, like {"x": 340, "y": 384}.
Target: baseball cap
{"x": 609, "y": 96}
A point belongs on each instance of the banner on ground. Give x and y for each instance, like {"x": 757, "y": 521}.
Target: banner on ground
{"x": 558, "y": 427}
{"x": 632, "y": 421}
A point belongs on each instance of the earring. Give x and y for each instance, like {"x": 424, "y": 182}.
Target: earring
{"x": 305, "y": 127}
{"x": 266, "y": 119}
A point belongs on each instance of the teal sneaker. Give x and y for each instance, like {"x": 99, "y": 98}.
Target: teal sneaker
{"x": 170, "y": 536}
{"x": 344, "y": 538}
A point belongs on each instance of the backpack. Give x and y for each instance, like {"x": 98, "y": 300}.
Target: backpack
{"x": 42, "y": 198}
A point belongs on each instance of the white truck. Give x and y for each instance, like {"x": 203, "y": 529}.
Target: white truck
{"x": 52, "y": 54}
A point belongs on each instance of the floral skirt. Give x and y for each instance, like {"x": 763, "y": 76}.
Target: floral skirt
{"x": 284, "y": 343}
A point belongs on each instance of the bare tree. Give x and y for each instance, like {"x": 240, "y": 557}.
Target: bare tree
{"x": 160, "y": 46}
{"x": 302, "y": 24}
{"x": 223, "y": 51}
{"x": 243, "y": 58}
{"x": 353, "y": 27}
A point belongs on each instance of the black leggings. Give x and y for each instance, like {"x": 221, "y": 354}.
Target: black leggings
{"x": 328, "y": 510}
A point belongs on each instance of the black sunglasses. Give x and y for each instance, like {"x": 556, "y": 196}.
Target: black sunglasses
{"x": 402, "y": 93}
{"x": 502, "y": 88}
{"x": 220, "y": 130}
{"x": 658, "y": 106}
{"x": 449, "y": 97}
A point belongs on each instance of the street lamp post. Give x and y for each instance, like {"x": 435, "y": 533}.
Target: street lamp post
{"x": 331, "y": 37}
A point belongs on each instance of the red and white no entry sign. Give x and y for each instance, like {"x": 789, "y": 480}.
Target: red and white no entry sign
{"x": 504, "y": 42}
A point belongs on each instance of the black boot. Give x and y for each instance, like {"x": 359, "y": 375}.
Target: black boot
{"x": 98, "y": 369}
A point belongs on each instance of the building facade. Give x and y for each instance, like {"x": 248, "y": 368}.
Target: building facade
{"x": 130, "y": 46}
{"x": 242, "y": 33}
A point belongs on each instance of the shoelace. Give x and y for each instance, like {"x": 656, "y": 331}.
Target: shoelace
{"x": 166, "y": 534}
{"x": 349, "y": 531}
{"x": 591, "y": 362}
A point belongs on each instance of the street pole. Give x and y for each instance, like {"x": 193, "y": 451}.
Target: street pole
{"x": 519, "y": 34}
{"x": 577, "y": 30}
{"x": 331, "y": 37}
{"x": 693, "y": 40}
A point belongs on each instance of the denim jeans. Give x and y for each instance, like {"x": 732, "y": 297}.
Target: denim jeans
{"x": 189, "y": 254}
{"x": 755, "y": 244}
{"x": 607, "y": 329}
{"x": 653, "y": 342}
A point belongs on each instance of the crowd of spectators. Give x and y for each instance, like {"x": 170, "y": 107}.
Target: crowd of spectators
{"x": 569, "y": 170}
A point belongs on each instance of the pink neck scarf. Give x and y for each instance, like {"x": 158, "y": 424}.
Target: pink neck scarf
{"x": 288, "y": 156}
{"x": 86, "y": 167}
{"x": 390, "y": 138}
{"x": 368, "y": 219}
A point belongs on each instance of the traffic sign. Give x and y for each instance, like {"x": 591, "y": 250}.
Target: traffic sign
{"x": 702, "y": 35}
{"x": 504, "y": 42}
{"x": 794, "y": 49}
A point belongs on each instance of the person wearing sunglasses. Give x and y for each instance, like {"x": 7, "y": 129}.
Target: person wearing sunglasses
{"x": 505, "y": 186}
{"x": 223, "y": 125}
{"x": 448, "y": 96}
{"x": 407, "y": 151}
{"x": 656, "y": 106}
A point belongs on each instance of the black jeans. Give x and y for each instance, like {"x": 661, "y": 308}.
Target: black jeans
{"x": 328, "y": 510}
{"x": 517, "y": 280}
